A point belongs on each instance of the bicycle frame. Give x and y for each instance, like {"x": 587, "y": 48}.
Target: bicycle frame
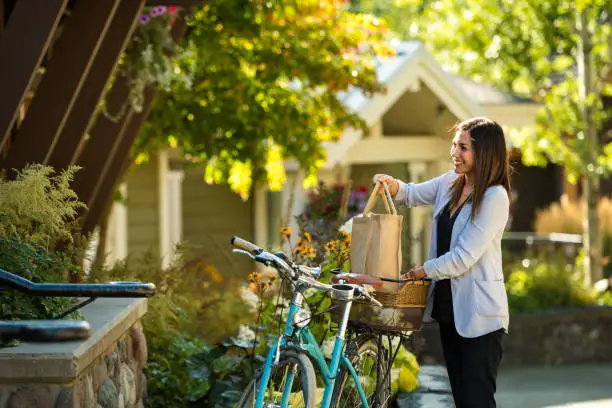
{"x": 308, "y": 343}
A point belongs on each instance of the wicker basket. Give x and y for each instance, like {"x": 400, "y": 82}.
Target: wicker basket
{"x": 403, "y": 311}
{"x": 412, "y": 294}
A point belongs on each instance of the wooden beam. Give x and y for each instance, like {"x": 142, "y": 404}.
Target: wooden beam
{"x": 106, "y": 155}
{"x": 24, "y": 43}
{"x": 72, "y": 57}
{"x": 2, "y": 17}
{"x": 102, "y": 144}
{"x": 81, "y": 117}
{"x": 101, "y": 191}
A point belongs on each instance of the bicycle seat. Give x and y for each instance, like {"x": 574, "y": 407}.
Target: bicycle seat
{"x": 357, "y": 279}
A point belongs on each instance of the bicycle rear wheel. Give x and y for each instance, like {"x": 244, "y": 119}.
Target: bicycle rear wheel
{"x": 370, "y": 360}
{"x": 301, "y": 393}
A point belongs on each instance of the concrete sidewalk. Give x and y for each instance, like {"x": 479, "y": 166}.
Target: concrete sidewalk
{"x": 581, "y": 386}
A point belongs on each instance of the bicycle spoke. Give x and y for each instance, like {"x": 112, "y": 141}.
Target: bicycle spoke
{"x": 291, "y": 384}
{"x": 370, "y": 363}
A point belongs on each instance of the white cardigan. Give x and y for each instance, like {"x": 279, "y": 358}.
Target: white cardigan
{"x": 474, "y": 261}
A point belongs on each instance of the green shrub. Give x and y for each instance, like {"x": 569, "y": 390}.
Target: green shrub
{"x": 37, "y": 213}
{"x": 38, "y": 265}
{"x": 194, "y": 307}
{"x": 38, "y": 206}
{"x": 546, "y": 285}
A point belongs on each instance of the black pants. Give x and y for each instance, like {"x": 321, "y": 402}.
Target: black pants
{"x": 472, "y": 366}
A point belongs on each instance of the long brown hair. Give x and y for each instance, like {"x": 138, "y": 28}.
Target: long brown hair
{"x": 491, "y": 165}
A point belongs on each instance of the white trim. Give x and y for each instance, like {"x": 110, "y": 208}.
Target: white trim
{"x": 120, "y": 221}
{"x": 162, "y": 210}
{"x": 260, "y": 222}
{"x": 175, "y": 208}
{"x": 394, "y": 149}
{"x": 117, "y": 231}
{"x": 299, "y": 199}
{"x": 376, "y": 130}
{"x": 445, "y": 88}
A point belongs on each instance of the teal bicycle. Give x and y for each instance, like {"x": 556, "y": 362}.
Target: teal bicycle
{"x": 357, "y": 374}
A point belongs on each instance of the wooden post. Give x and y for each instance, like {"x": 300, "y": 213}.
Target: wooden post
{"x": 73, "y": 54}
{"x": 81, "y": 117}
{"x": 24, "y": 43}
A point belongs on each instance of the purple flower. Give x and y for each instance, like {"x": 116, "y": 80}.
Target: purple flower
{"x": 158, "y": 11}
{"x": 144, "y": 19}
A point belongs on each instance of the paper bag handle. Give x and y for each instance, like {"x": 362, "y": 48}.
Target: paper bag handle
{"x": 387, "y": 200}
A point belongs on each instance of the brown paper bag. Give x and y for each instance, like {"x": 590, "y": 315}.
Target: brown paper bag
{"x": 376, "y": 247}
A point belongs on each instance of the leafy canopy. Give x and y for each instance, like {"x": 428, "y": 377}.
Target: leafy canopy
{"x": 529, "y": 48}
{"x": 265, "y": 85}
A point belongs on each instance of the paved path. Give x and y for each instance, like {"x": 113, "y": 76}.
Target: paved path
{"x": 582, "y": 386}
{"x": 433, "y": 392}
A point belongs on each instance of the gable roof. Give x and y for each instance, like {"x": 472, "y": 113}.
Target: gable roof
{"x": 411, "y": 65}
{"x": 486, "y": 94}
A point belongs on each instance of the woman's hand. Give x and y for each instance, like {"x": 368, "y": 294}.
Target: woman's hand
{"x": 414, "y": 274}
{"x": 391, "y": 183}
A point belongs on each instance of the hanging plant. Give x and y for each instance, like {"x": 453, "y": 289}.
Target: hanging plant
{"x": 148, "y": 59}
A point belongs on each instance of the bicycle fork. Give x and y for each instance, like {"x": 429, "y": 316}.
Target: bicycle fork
{"x": 274, "y": 353}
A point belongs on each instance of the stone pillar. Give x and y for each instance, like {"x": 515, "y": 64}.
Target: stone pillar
{"x": 104, "y": 371}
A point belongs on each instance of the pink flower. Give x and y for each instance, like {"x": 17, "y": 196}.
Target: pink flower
{"x": 158, "y": 11}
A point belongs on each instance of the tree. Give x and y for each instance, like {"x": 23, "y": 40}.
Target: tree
{"x": 557, "y": 52}
{"x": 261, "y": 83}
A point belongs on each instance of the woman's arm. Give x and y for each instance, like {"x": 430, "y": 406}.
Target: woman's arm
{"x": 475, "y": 239}
{"x": 414, "y": 194}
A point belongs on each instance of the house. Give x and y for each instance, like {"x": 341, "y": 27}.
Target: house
{"x": 409, "y": 137}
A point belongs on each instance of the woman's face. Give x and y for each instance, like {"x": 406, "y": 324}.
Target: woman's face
{"x": 462, "y": 153}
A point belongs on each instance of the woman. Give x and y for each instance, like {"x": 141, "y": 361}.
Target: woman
{"x": 467, "y": 296}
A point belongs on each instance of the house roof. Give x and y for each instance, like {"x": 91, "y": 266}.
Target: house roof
{"x": 410, "y": 63}
{"x": 411, "y": 66}
{"x": 486, "y": 94}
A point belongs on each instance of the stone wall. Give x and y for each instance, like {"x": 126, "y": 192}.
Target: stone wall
{"x": 565, "y": 336}
{"x": 105, "y": 371}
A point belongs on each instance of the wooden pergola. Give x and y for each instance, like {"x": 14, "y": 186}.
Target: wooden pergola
{"x": 56, "y": 59}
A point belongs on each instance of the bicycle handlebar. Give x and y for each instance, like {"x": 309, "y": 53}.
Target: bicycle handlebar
{"x": 44, "y": 330}
{"x": 246, "y": 245}
{"x": 99, "y": 290}
{"x": 297, "y": 273}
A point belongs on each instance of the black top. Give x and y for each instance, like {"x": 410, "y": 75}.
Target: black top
{"x": 443, "y": 299}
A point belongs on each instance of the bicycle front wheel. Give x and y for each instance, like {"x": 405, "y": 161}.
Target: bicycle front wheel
{"x": 370, "y": 361}
{"x": 292, "y": 382}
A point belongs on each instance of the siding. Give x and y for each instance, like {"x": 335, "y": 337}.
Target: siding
{"x": 212, "y": 214}
{"x": 142, "y": 208}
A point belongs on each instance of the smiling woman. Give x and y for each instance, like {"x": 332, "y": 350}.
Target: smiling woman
{"x": 462, "y": 153}
{"x": 467, "y": 297}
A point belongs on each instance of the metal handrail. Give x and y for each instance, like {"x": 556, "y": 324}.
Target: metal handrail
{"x": 531, "y": 237}
{"x": 96, "y": 290}
{"x": 44, "y": 330}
